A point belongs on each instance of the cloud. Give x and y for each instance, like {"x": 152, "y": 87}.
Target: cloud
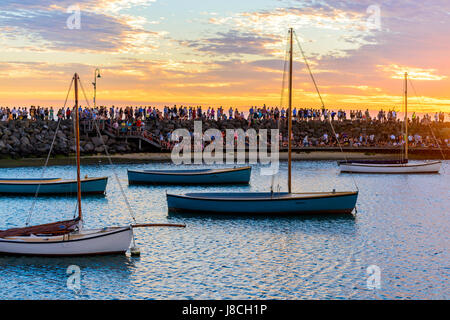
{"x": 233, "y": 42}
{"x": 398, "y": 72}
{"x": 232, "y": 57}
{"x": 44, "y": 26}
{"x": 342, "y": 30}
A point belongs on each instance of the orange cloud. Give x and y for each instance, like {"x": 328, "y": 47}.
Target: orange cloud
{"x": 398, "y": 72}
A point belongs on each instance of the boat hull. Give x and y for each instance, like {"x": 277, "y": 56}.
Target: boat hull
{"x": 264, "y": 203}
{"x": 89, "y": 242}
{"x": 408, "y": 168}
{"x": 52, "y": 187}
{"x": 192, "y": 177}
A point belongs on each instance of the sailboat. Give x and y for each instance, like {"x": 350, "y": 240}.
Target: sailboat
{"x": 67, "y": 238}
{"x": 52, "y": 186}
{"x": 273, "y": 203}
{"x": 395, "y": 166}
{"x": 193, "y": 177}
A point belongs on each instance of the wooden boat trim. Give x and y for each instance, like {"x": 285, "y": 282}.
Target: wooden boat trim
{"x": 278, "y": 213}
{"x": 315, "y": 195}
{"x": 119, "y": 230}
{"x": 206, "y": 172}
{"x": 51, "y": 194}
{"x": 393, "y": 173}
{"x": 63, "y": 255}
{"x": 46, "y": 182}
{"x": 166, "y": 183}
{"x": 9, "y": 180}
{"x": 377, "y": 162}
{"x": 392, "y": 165}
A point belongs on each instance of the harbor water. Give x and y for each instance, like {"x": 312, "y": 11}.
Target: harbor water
{"x": 401, "y": 229}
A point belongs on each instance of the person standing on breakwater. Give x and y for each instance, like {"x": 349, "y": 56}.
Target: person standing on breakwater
{"x": 191, "y": 113}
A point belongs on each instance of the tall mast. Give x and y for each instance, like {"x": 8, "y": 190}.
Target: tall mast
{"x": 406, "y": 117}
{"x": 77, "y": 142}
{"x": 290, "y": 112}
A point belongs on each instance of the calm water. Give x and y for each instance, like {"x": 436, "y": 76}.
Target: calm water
{"x": 402, "y": 226}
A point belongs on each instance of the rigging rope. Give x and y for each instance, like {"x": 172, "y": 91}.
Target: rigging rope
{"x": 283, "y": 88}
{"x": 323, "y": 105}
{"x": 429, "y": 125}
{"x": 48, "y": 157}
{"x": 110, "y": 161}
{"x": 403, "y": 151}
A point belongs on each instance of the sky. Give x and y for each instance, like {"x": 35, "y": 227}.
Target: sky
{"x": 226, "y": 53}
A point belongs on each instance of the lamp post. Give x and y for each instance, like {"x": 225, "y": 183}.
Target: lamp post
{"x": 96, "y": 75}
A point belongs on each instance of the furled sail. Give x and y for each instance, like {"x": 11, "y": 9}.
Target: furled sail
{"x": 50, "y": 229}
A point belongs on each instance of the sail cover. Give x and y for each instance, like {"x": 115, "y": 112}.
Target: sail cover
{"x": 56, "y": 228}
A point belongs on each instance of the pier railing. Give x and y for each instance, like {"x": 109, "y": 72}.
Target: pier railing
{"x": 133, "y": 132}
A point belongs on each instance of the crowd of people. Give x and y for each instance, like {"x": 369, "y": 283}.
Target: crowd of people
{"x": 364, "y": 140}
{"x": 196, "y": 113}
{"x": 126, "y": 120}
{"x": 341, "y": 140}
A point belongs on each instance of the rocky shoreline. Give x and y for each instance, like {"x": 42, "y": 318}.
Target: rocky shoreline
{"x": 24, "y": 139}
{"x": 32, "y": 139}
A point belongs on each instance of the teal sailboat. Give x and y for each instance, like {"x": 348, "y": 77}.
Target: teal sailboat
{"x": 51, "y": 186}
{"x": 273, "y": 203}
{"x": 191, "y": 177}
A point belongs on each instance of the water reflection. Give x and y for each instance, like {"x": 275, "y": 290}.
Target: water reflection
{"x": 401, "y": 226}
{"x": 46, "y": 278}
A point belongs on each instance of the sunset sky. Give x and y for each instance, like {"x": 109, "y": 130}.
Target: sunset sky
{"x": 229, "y": 53}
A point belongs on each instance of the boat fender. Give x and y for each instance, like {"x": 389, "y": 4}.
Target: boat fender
{"x": 135, "y": 251}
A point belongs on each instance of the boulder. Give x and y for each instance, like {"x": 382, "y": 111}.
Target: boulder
{"x": 25, "y": 141}
{"x": 15, "y": 141}
{"x": 61, "y": 135}
{"x": 89, "y": 147}
{"x": 26, "y": 149}
{"x": 100, "y": 149}
{"x": 121, "y": 148}
{"x": 97, "y": 141}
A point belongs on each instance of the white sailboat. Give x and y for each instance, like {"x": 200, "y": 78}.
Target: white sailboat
{"x": 393, "y": 167}
{"x": 67, "y": 238}
{"x": 386, "y": 168}
{"x": 273, "y": 203}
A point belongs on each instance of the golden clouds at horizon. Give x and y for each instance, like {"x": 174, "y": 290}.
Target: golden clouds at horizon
{"x": 237, "y": 61}
{"x": 138, "y": 82}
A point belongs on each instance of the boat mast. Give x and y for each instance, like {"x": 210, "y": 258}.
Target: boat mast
{"x": 77, "y": 142}
{"x": 406, "y": 117}
{"x": 291, "y": 31}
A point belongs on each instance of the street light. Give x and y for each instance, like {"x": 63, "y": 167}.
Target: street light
{"x": 96, "y": 75}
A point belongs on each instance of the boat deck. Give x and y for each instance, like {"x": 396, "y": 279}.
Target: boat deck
{"x": 70, "y": 236}
{"x": 255, "y": 196}
{"x": 45, "y": 180}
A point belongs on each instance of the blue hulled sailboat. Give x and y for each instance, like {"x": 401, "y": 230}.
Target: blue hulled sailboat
{"x": 273, "y": 203}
